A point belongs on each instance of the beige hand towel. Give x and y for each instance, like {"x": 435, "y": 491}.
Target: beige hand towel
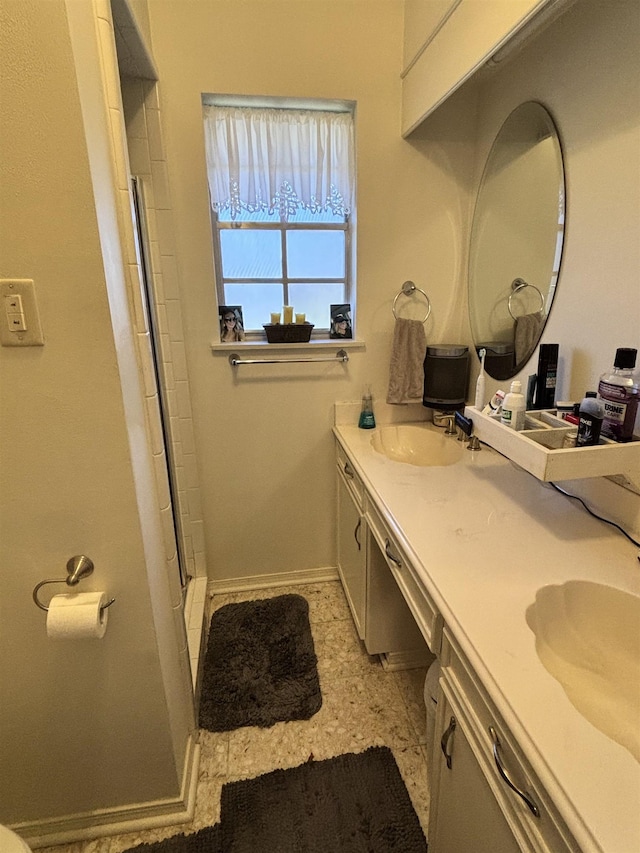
{"x": 527, "y": 332}
{"x": 406, "y": 370}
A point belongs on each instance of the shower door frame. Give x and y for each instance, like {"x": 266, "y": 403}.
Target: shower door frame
{"x": 150, "y": 307}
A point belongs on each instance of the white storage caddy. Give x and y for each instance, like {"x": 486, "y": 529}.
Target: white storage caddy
{"x": 538, "y": 448}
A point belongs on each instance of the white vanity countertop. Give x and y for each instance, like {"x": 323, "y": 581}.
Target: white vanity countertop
{"x": 484, "y": 536}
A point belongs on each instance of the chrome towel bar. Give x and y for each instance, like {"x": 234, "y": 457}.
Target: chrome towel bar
{"x": 235, "y": 360}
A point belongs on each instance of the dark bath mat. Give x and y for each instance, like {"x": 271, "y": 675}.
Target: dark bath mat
{"x": 260, "y": 666}
{"x": 207, "y": 840}
{"x": 349, "y": 804}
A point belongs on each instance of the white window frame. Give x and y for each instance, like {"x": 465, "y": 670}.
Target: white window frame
{"x": 217, "y": 225}
{"x": 285, "y": 279}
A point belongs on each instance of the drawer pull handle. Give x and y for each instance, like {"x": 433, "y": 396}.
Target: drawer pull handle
{"x": 533, "y": 808}
{"x": 444, "y": 741}
{"x": 356, "y": 534}
{"x": 391, "y": 555}
{"x": 348, "y": 470}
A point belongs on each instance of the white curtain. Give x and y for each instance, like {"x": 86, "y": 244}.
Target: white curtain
{"x": 279, "y": 160}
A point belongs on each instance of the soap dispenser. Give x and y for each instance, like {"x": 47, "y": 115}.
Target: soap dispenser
{"x": 367, "y": 419}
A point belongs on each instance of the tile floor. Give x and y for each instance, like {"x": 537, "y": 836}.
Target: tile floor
{"x": 363, "y": 705}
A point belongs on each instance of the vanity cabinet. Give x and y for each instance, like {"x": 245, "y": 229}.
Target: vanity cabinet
{"x": 352, "y": 541}
{"x": 375, "y": 577}
{"x": 447, "y": 41}
{"x": 484, "y": 795}
{"x": 466, "y": 814}
{"x": 430, "y": 534}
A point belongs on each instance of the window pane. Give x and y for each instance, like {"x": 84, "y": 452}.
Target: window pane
{"x": 315, "y": 254}
{"x": 302, "y": 215}
{"x": 251, "y": 254}
{"x": 314, "y": 301}
{"x": 257, "y": 300}
{"x": 257, "y": 216}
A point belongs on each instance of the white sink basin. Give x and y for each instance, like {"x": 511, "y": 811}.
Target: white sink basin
{"x": 588, "y": 638}
{"x": 417, "y": 445}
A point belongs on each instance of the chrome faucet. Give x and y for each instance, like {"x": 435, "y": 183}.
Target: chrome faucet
{"x": 447, "y": 419}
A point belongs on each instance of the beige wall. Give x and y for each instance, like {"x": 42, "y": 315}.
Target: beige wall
{"x": 263, "y": 434}
{"x": 85, "y": 726}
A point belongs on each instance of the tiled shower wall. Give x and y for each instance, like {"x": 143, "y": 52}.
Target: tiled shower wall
{"x": 148, "y": 163}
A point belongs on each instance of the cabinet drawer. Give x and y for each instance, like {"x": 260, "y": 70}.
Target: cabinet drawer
{"x": 354, "y": 483}
{"x": 427, "y": 617}
{"x": 498, "y": 753}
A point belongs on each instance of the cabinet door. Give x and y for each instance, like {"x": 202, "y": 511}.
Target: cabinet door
{"x": 351, "y": 555}
{"x": 465, "y": 815}
{"x": 472, "y": 31}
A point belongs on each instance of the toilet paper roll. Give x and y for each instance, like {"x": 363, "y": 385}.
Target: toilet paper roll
{"x": 77, "y": 616}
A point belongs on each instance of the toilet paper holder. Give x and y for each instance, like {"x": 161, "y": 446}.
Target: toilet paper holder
{"x": 78, "y": 567}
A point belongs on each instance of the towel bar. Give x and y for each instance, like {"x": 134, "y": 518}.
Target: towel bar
{"x": 235, "y": 360}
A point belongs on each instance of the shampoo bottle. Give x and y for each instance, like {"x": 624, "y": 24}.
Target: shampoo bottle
{"x": 367, "y": 419}
{"x": 513, "y": 407}
{"x": 619, "y": 390}
{"x": 590, "y": 417}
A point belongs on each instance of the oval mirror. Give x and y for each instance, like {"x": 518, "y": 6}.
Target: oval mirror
{"x": 516, "y": 240}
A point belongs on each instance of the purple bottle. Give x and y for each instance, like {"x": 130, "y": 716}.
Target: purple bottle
{"x": 619, "y": 390}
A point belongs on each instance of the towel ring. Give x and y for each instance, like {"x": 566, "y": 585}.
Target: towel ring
{"x": 517, "y": 285}
{"x": 406, "y": 290}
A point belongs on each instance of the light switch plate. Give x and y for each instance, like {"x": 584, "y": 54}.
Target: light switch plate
{"x": 32, "y": 335}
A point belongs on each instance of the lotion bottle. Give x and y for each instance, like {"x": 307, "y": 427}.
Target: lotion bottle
{"x": 513, "y": 407}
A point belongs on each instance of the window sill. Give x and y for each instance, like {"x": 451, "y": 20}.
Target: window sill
{"x": 258, "y": 346}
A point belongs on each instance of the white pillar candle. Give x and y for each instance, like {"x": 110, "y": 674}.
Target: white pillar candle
{"x": 300, "y": 318}
{"x": 275, "y": 318}
{"x": 288, "y": 313}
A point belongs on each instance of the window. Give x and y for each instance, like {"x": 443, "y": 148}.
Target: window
{"x": 281, "y": 183}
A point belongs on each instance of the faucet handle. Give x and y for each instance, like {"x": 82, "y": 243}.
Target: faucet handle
{"x": 466, "y": 427}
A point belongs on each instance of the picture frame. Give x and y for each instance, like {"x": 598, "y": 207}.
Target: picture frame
{"x": 231, "y": 323}
{"x": 341, "y": 327}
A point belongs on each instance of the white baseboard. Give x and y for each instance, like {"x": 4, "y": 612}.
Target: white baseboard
{"x": 251, "y": 582}
{"x": 132, "y": 818}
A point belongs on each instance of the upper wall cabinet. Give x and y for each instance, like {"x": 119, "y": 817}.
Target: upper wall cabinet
{"x": 446, "y": 41}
